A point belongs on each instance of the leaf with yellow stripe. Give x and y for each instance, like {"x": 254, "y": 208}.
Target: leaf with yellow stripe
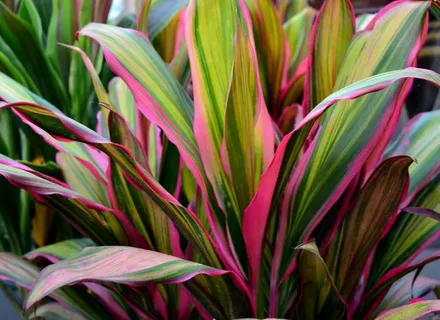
{"x": 415, "y": 310}
{"x": 298, "y": 30}
{"x": 188, "y": 224}
{"x": 211, "y": 66}
{"x": 271, "y": 46}
{"x": 331, "y": 37}
{"x": 351, "y": 130}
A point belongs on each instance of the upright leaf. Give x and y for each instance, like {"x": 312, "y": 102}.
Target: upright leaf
{"x": 373, "y": 210}
{"x": 271, "y": 49}
{"x": 332, "y": 33}
{"x": 316, "y": 281}
{"x": 351, "y": 130}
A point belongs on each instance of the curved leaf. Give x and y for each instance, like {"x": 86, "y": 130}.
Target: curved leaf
{"x": 414, "y": 310}
{"x": 60, "y": 250}
{"x": 134, "y": 267}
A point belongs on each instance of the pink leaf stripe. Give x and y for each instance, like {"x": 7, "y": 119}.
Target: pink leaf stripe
{"x": 134, "y": 267}
{"x": 257, "y": 213}
{"x": 414, "y": 310}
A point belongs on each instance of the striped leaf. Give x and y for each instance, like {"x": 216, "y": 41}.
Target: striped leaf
{"x": 406, "y": 289}
{"x": 82, "y": 180}
{"x": 373, "y": 209}
{"x": 275, "y": 179}
{"x": 24, "y": 274}
{"x": 298, "y": 30}
{"x": 157, "y": 94}
{"x": 316, "y": 281}
{"x": 123, "y": 100}
{"x": 211, "y": 66}
{"x": 409, "y": 235}
{"x": 271, "y": 47}
{"x": 373, "y": 297}
{"x": 332, "y": 33}
{"x": 95, "y": 220}
{"x": 419, "y": 139}
{"x": 135, "y": 267}
{"x": 60, "y": 250}
{"x": 334, "y": 160}
{"x": 11, "y": 92}
{"x": 161, "y": 13}
{"x": 414, "y": 310}
{"x": 249, "y": 136}
{"x": 28, "y": 48}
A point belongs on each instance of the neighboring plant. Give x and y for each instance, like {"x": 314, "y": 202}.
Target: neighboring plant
{"x": 258, "y": 174}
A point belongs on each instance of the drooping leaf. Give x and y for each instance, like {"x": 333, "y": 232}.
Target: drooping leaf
{"x": 24, "y": 274}
{"x": 135, "y": 267}
{"x": 94, "y": 219}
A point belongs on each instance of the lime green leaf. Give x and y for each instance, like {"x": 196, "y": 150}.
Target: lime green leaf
{"x": 414, "y": 310}
{"x": 298, "y": 30}
{"x": 271, "y": 49}
{"x": 332, "y": 33}
{"x": 60, "y": 250}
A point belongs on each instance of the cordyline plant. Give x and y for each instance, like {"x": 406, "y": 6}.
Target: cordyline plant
{"x": 258, "y": 174}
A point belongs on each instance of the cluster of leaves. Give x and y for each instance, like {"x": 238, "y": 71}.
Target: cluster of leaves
{"x": 246, "y": 161}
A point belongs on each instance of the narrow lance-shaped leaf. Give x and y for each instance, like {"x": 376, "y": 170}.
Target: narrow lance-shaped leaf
{"x": 332, "y": 33}
{"x": 334, "y": 161}
{"x": 406, "y": 289}
{"x": 86, "y": 215}
{"x": 414, "y": 310}
{"x": 24, "y": 274}
{"x": 11, "y": 92}
{"x": 419, "y": 140}
{"x": 135, "y": 267}
{"x": 60, "y": 250}
{"x": 298, "y": 30}
{"x": 316, "y": 281}
{"x": 211, "y": 66}
{"x": 373, "y": 210}
{"x": 408, "y": 236}
{"x": 63, "y": 25}
{"x": 275, "y": 178}
{"x": 271, "y": 49}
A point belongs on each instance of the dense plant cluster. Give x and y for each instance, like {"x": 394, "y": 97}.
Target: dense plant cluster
{"x": 216, "y": 159}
